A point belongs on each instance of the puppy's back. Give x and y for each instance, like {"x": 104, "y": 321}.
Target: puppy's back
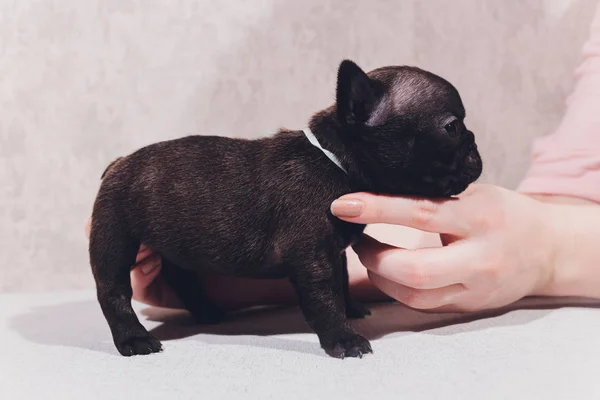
{"x": 204, "y": 190}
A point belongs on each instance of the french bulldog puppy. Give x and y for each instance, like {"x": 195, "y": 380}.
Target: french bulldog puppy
{"x": 260, "y": 208}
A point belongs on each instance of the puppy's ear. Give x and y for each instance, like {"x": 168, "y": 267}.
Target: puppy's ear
{"x": 356, "y": 95}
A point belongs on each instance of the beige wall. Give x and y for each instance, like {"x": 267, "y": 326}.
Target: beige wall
{"x": 83, "y": 81}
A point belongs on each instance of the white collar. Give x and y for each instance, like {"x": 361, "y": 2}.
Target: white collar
{"x": 315, "y": 142}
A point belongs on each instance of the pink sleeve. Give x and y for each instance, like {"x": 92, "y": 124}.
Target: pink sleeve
{"x": 567, "y": 162}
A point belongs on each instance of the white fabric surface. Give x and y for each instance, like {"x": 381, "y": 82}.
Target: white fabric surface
{"x": 58, "y": 346}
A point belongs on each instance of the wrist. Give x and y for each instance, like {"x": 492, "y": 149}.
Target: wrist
{"x": 575, "y": 253}
{"x": 558, "y": 249}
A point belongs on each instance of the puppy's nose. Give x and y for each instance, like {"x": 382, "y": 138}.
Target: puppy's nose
{"x": 471, "y": 159}
{"x": 469, "y": 137}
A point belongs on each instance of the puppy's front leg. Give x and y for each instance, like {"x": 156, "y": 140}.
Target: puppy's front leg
{"x": 319, "y": 285}
{"x": 354, "y": 308}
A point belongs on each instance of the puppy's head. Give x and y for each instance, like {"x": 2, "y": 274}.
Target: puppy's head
{"x": 406, "y": 129}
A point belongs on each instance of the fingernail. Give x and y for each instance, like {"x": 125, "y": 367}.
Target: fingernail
{"x": 347, "y": 208}
{"x": 143, "y": 247}
{"x": 147, "y": 269}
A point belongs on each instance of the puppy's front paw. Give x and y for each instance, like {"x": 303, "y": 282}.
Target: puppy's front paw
{"x": 349, "y": 344}
{"x": 355, "y": 309}
{"x": 142, "y": 344}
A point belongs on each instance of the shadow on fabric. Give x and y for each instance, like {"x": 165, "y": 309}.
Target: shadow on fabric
{"x": 81, "y": 324}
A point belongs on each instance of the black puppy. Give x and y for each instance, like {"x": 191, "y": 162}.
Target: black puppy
{"x": 260, "y": 208}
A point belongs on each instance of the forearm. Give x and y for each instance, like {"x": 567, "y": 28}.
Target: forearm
{"x": 566, "y": 161}
{"x": 234, "y": 293}
{"x": 560, "y": 199}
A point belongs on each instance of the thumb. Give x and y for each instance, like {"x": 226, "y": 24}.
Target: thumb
{"x": 370, "y": 251}
{"x": 366, "y": 242}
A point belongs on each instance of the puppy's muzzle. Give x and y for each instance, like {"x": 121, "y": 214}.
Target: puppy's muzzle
{"x": 472, "y": 159}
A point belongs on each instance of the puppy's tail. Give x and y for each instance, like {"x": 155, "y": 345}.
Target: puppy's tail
{"x": 110, "y": 166}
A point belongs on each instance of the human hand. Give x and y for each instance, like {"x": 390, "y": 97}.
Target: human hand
{"x": 498, "y": 247}
{"x": 146, "y": 282}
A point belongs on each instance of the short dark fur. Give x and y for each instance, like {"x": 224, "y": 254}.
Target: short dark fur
{"x": 260, "y": 208}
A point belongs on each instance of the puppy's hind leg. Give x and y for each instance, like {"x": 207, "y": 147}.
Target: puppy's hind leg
{"x": 112, "y": 254}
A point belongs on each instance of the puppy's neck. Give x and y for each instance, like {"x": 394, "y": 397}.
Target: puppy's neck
{"x": 333, "y": 137}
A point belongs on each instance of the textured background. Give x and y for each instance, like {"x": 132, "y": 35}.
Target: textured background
{"x": 83, "y": 81}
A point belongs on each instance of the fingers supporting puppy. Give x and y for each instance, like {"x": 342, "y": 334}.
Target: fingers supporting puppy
{"x": 144, "y": 273}
{"x": 88, "y": 227}
{"x": 422, "y": 299}
{"x": 430, "y": 215}
{"x": 427, "y": 268}
{"x": 143, "y": 253}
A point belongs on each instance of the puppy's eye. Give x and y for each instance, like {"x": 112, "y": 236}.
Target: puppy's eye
{"x": 453, "y": 128}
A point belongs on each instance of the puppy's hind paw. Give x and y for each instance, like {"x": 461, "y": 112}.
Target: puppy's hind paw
{"x": 139, "y": 346}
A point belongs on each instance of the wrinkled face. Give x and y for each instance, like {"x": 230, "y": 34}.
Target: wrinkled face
{"x": 407, "y": 130}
